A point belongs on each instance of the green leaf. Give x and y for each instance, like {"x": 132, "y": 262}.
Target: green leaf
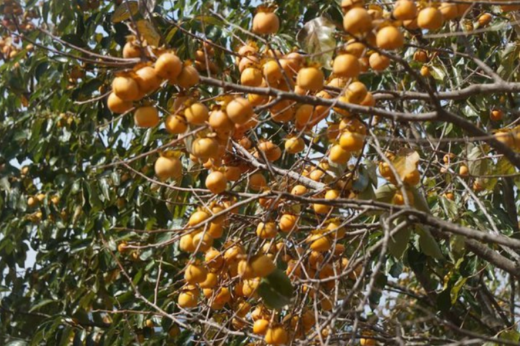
{"x": 385, "y": 193}
{"x": 149, "y": 33}
{"x": 126, "y": 10}
{"x": 428, "y": 243}
{"x": 398, "y": 244}
{"x": 276, "y": 290}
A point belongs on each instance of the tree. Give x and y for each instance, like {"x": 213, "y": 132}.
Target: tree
{"x": 289, "y": 172}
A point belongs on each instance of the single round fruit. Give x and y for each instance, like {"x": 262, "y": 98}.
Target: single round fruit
{"x": 430, "y": 18}
{"x": 220, "y": 122}
{"x": 205, "y": 148}
{"x": 168, "y": 66}
{"x": 299, "y": 190}
{"x": 449, "y": 10}
{"x": 405, "y": 10}
{"x": 189, "y": 77}
{"x": 276, "y": 336}
{"x": 198, "y": 217}
{"x": 186, "y": 243}
{"x": 168, "y": 168}
{"x": 175, "y": 124}
{"x": 195, "y": 274}
{"x": 272, "y": 72}
{"x": 240, "y": 110}
{"x": 252, "y": 77}
{"x": 378, "y": 62}
{"x": 202, "y": 241}
{"x": 463, "y": 171}
{"x": 294, "y": 145}
{"x": 130, "y": 50}
{"x": 262, "y": 266}
{"x": 351, "y": 142}
{"x": 356, "y": 92}
{"x": 147, "y": 116}
{"x": 346, "y": 66}
{"x": 126, "y": 88}
{"x": 266, "y": 230}
{"x": 147, "y": 79}
{"x": 272, "y": 151}
{"x": 287, "y": 222}
{"x": 196, "y": 113}
{"x": 117, "y": 105}
{"x": 187, "y": 300}
{"x": 216, "y": 182}
{"x": 339, "y": 155}
{"x": 389, "y": 38}
{"x": 496, "y": 115}
{"x": 260, "y": 326}
{"x": 310, "y": 79}
{"x": 357, "y": 21}
{"x": 485, "y": 19}
{"x": 266, "y": 23}
{"x": 413, "y": 178}
{"x": 257, "y": 182}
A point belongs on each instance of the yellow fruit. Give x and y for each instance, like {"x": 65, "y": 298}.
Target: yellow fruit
{"x": 389, "y": 38}
{"x": 405, "y": 10}
{"x": 357, "y": 21}
{"x": 319, "y": 243}
{"x": 339, "y": 155}
{"x": 378, "y": 62}
{"x": 421, "y": 56}
{"x": 168, "y": 168}
{"x": 242, "y": 308}
{"x": 463, "y": 170}
{"x": 240, "y": 110}
{"x": 32, "y": 202}
{"x": 216, "y": 182}
{"x": 260, "y": 326}
{"x": 506, "y": 138}
{"x": 147, "y": 79}
{"x": 351, "y": 142}
{"x": 232, "y": 173}
{"x": 222, "y": 297}
{"x": 356, "y": 92}
{"x": 399, "y": 199}
{"x": 147, "y": 116}
{"x": 215, "y": 230}
{"x": 195, "y": 274}
{"x": 257, "y": 99}
{"x": 310, "y": 79}
{"x": 485, "y": 19}
{"x": 430, "y": 18}
{"x": 204, "y": 148}
{"x": 262, "y": 266}
{"x": 196, "y": 113}
{"x": 369, "y": 100}
{"x": 245, "y": 270}
{"x": 189, "y": 77}
{"x": 168, "y": 66}
{"x": 272, "y": 151}
{"x": 187, "y": 300}
{"x": 287, "y": 222}
{"x": 282, "y": 111}
{"x": 252, "y": 77}
{"x": 272, "y": 72}
{"x": 186, "y": 243}
{"x": 266, "y": 230}
{"x": 220, "y": 122}
{"x": 367, "y": 342}
{"x": 449, "y": 10}
{"x": 266, "y": 23}
{"x": 276, "y": 336}
{"x": 126, "y": 88}
{"x": 202, "y": 241}
{"x": 117, "y": 105}
{"x": 413, "y": 178}
{"x": 213, "y": 259}
{"x": 299, "y": 190}
{"x": 175, "y": 124}
{"x": 130, "y": 50}
{"x": 346, "y": 66}
{"x": 257, "y": 182}
{"x": 294, "y": 145}
{"x": 304, "y": 114}
{"x": 198, "y": 217}
{"x": 211, "y": 281}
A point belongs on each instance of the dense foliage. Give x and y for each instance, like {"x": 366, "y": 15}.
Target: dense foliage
{"x": 233, "y": 172}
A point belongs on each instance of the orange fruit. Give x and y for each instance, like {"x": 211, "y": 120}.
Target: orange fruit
{"x": 299, "y": 190}
{"x": 126, "y": 88}
{"x": 272, "y": 72}
{"x": 168, "y": 168}
{"x": 257, "y": 181}
{"x": 378, "y": 62}
{"x": 117, "y": 105}
{"x": 205, "y": 148}
{"x": 351, "y": 142}
{"x": 189, "y": 77}
{"x": 430, "y": 18}
{"x": 187, "y": 300}
{"x": 260, "y": 326}
{"x": 251, "y": 76}
{"x": 272, "y": 151}
{"x": 216, "y": 182}
{"x": 287, "y": 222}
{"x": 356, "y": 92}
{"x": 196, "y": 113}
{"x": 389, "y": 38}
{"x": 130, "y": 50}
{"x": 175, "y": 124}
{"x": 357, "y": 21}
{"x": 266, "y": 230}
{"x": 339, "y": 155}
{"x": 276, "y": 336}
{"x": 147, "y": 116}
{"x": 449, "y": 10}
{"x": 262, "y": 266}
{"x": 496, "y": 115}
{"x": 346, "y": 66}
{"x": 310, "y": 78}
{"x": 195, "y": 274}
{"x": 168, "y": 66}
{"x": 220, "y": 122}
{"x": 239, "y": 110}
{"x": 266, "y": 23}
{"x": 147, "y": 79}
{"x": 294, "y": 145}
{"x": 405, "y": 10}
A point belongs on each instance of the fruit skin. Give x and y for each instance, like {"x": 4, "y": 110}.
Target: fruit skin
{"x": 168, "y": 168}
{"x": 449, "y": 10}
{"x": 130, "y": 51}
{"x": 430, "y": 18}
{"x": 187, "y": 300}
{"x": 287, "y": 222}
{"x": 378, "y": 62}
{"x": 126, "y": 88}
{"x": 339, "y": 155}
{"x": 216, "y": 182}
{"x": 346, "y": 66}
{"x": 204, "y": 148}
{"x": 257, "y": 181}
{"x": 266, "y": 230}
{"x": 252, "y": 77}
{"x": 357, "y": 21}
{"x": 463, "y": 171}
{"x": 266, "y": 23}
{"x": 351, "y": 142}
{"x": 168, "y": 66}
{"x": 294, "y": 145}
{"x": 496, "y": 115}
{"x": 239, "y": 110}
{"x": 310, "y": 79}
{"x": 276, "y": 336}
{"x": 147, "y": 116}
{"x": 197, "y": 113}
{"x": 405, "y": 10}
{"x": 147, "y": 79}
{"x": 117, "y": 105}
{"x": 260, "y": 326}
{"x": 175, "y": 124}
{"x": 389, "y": 38}
{"x": 195, "y": 274}
{"x": 272, "y": 151}
{"x": 189, "y": 77}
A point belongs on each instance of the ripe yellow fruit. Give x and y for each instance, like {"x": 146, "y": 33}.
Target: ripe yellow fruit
{"x": 168, "y": 168}
{"x": 485, "y": 19}
{"x": 175, "y": 124}
{"x": 245, "y": 270}
{"x": 197, "y": 113}
{"x": 117, "y": 105}
{"x": 186, "y": 243}
{"x": 463, "y": 170}
{"x": 506, "y": 138}
{"x": 339, "y": 155}
{"x": 282, "y": 111}
{"x": 367, "y": 342}
{"x": 262, "y": 266}
{"x": 252, "y": 77}
{"x": 126, "y": 88}
{"x": 346, "y": 66}
{"x": 272, "y": 151}
{"x": 272, "y": 72}
{"x": 287, "y": 222}
{"x": 189, "y": 77}
{"x": 449, "y": 10}
{"x": 430, "y": 18}
{"x": 211, "y": 281}
{"x": 32, "y": 202}
{"x": 240, "y": 110}
{"x": 294, "y": 145}
{"x": 357, "y": 21}
{"x": 299, "y": 190}
{"x": 257, "y": 182}
{"x": 202, "y": 241}
{"x": 266, "y": 230}
{"x": 405, "y": 10}
{"x": 220, "y": 122}
{"x": 413, "y": 178}
{"x": 130, "y": 50}
{"x": 216, "y": 182}
{"x": 147, "y": 79}
{"x": 351, "y": 142}
{"x": 399, "y": 199}
{"x": 421, "y": 56}
{"x": 310, "y": 79}
{"x": 198, "y": 217}
{"x": 213, "y": 259}
{"x": 378, "y": 62}
{"x": 389, "y": 38}
{"x": 266, "y": 23}
{"x": 187, "y": 300}
{"x": 195, "y": 274}
{"x": 204, "y": 148}
{"x": 147, "y": 116}
{"x": 168, "y": 66}
{"x": 260, "y": 326}
{"x": 276, "y": 336}
{"x": 356, "y": 92}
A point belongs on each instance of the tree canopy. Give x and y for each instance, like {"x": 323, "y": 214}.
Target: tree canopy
{"x": 245, "y": 173}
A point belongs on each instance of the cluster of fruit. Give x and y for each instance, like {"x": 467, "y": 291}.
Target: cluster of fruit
{"x": 15, "y": 19}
